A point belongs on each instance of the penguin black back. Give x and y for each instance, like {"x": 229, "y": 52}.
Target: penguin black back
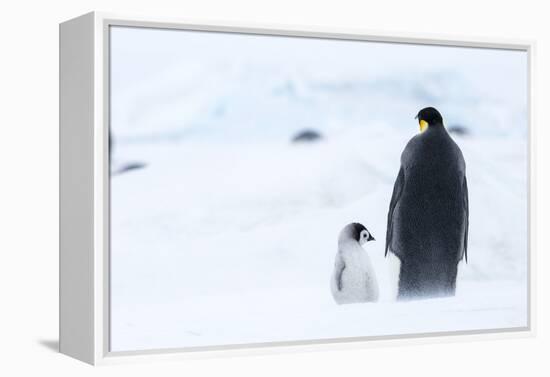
{"x": 428, "y": 216}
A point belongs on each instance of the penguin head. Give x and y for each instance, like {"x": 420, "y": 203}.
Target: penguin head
{"x": 365, "y": 236}
{"x": 428, "y": 116}
{"x": 357, "y": 232}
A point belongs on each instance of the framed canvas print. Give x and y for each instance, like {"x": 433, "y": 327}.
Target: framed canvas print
{"x": 228, "y": 188}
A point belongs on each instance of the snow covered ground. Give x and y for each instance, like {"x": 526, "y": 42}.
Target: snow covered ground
{"x": 228, "y": 234}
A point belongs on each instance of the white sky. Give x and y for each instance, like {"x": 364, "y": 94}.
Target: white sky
{"x": 165, "y": 80}
{"x": 143, "y": 51}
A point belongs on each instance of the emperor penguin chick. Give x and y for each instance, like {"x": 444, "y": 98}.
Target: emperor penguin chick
{"x": 353, "y": 279}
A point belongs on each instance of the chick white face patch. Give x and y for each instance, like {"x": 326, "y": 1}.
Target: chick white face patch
{"x": 364, "y": 237}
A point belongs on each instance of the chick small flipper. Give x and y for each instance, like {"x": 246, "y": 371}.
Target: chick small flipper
{"x": 339, "y": 267}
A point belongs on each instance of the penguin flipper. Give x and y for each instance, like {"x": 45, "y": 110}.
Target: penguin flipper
{"x": 339, "y": 266}
{"x": 466, "y": 215}
{"x": 397, "y": 190}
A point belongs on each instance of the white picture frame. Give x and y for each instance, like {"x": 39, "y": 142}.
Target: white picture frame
{"x": 84, "y": 188}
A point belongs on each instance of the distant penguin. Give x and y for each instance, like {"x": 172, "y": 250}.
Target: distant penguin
{"x": 119, "y": 169}
{"x": 353, "y": 279}
{"x": 307, "y": 136}
{"x": 458, "y": 130}
{"x": 428, "y": 215}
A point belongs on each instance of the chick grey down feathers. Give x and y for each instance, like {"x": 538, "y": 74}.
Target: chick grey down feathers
{"x": 353, "y": 279}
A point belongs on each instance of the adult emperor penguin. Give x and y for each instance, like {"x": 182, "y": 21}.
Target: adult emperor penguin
{"x": 428, "y": 215}
{"x": 353, "y": 279}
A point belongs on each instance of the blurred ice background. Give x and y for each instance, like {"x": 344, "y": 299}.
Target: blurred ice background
{"x": 228, "y": 234}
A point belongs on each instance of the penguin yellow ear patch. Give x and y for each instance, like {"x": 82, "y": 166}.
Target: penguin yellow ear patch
{"x": 423, "y": 125}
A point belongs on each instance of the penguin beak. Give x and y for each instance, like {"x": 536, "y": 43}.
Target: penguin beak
{"x": 371, "y": 238}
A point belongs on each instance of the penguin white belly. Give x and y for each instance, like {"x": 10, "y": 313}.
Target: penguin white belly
{"x": 359, "y": 283}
